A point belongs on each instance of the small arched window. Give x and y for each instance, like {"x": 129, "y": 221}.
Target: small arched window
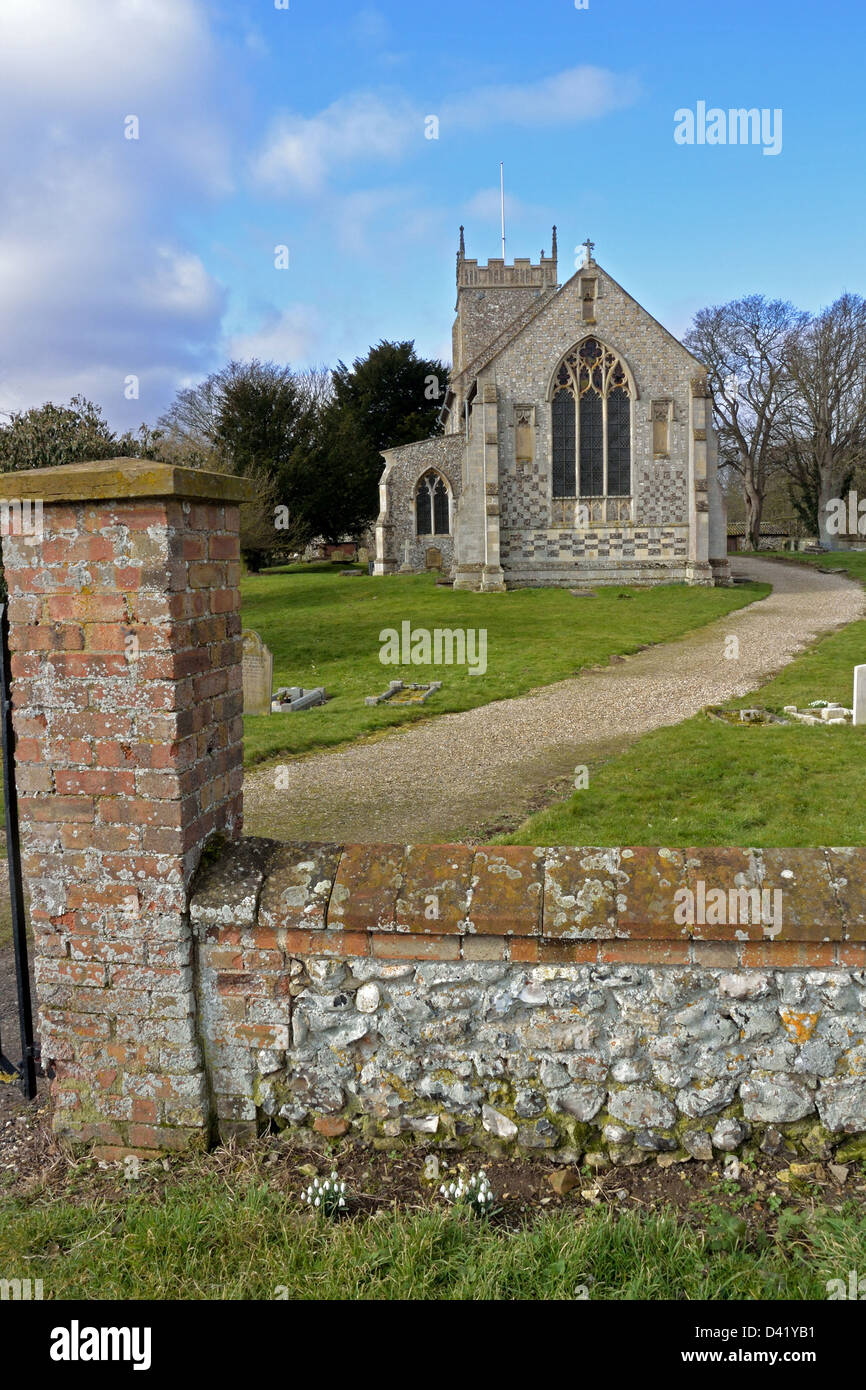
{"x": 591, "y": 415}
{"x": 432, "y": 506}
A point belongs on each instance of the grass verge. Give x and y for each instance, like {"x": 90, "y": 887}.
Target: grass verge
{"x": 211, "y": 1239}
{"x": 325, "y": 630}
{"x": 702, "y": 783}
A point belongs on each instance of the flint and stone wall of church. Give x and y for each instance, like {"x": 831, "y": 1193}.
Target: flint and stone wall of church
{"x": 535, "y": 536}
{"x": 486, "y": 313}
{"x": 541, "y": 998}
{"x": 407, "y": 464}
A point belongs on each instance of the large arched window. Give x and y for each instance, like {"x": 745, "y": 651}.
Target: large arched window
{"x": 432, "y": 506}
{"x": 591, "y": 412}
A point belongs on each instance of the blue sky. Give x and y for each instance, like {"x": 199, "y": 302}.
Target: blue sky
{"x": 260, "y": 127}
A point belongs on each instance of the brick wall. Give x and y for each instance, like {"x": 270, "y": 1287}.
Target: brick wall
{"x": 125, "y": 640}
{"x": 641, "y": 998}
{"x": 555, "y": 997}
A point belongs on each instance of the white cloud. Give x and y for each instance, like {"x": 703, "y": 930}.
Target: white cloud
{"x": 291, "y": 336}
{"x": 371, "y": 27}
{"x": 301, "y": 151}
{"x": 95, "y": 282}
{"x": 486, "y": 206}
{"x": 255, "y": 43}
{"x": 94, "y": 51}
{"x": 578, "y": 94}
{"x": 178, "y": 283}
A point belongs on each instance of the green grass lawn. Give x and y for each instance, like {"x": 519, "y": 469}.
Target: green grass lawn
{"x": 324, "y": 630}
{"x": 209, "y": 1238}
{"x": 702, "y": 783}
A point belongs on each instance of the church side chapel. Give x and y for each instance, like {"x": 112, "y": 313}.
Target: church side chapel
{"x": 578, "y": 445}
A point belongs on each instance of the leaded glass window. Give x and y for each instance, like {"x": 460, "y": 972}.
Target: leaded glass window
{"x": 591, "y": 424}
{"x": 441, "y": 524}
{"x": 563, "y": 444}
{"x": 432, "y": 507}
{"x": 591, "y": 445}
{"x": 618, "y": 443}
{"x": 423, "y": 510}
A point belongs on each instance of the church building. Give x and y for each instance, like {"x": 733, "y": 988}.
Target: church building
{"x": 578, "y": 445}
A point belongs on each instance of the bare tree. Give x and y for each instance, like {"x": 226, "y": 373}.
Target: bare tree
{"x": 743, "y": 345}
{"x": 190, "y": 427}
{"x": 315, "y": 387}
{"x": 247, "y": 418}
{"x": 826, "y": 423}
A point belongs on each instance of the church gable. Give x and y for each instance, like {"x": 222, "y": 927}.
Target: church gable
{"x": 584, "y": 435}
{"x": 658, "y": 371}
{"x": 610, "y": 314}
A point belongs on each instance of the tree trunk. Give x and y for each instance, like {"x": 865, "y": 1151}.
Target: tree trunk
{"x": 754, "y": 509}
{"x": 831, "y": 486}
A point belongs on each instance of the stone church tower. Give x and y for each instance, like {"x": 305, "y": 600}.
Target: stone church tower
{"x": 578, "y": 445}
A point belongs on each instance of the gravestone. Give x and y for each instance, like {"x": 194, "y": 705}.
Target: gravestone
{"x": 406, "y": 566}
{"x": 258, "y": 673}
{"x": 859, "y": 701}
{"x": 294, "y": 697}
{"x": 363, "y": 555}
{"x": 434, "y": 558}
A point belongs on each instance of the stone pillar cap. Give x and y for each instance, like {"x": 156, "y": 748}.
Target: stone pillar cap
{"x": 120, "y": 478}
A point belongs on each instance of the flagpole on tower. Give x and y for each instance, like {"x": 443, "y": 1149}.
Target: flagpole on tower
{"x": 502, "y": 203}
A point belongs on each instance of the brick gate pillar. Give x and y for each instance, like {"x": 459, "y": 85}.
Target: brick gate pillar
{"x": 125, "y": 638}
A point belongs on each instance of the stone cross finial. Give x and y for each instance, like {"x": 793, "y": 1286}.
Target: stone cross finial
{"x": 590, "y": 247}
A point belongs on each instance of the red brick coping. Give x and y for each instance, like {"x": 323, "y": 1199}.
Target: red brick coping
{"x": 546, "y": 906}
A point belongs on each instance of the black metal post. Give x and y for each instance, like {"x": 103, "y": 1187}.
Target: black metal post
{"x": 27, "y": 1070}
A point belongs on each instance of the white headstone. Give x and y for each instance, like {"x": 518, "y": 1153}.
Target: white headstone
{"x": 859, "y": 703}
{"x": 257, "y": 664}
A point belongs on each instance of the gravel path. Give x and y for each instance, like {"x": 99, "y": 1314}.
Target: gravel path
{"x": 461, "y": 776}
